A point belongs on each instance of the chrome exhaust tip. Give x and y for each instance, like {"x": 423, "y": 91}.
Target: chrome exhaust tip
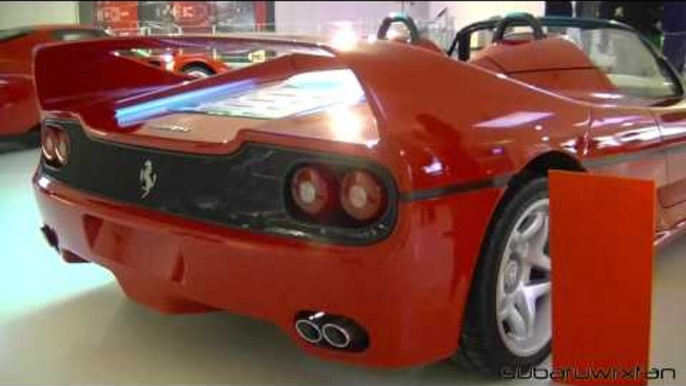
{"x": 336, "y": 335}
{"x": 330, "y": 331}
{"x": 308, "y": 331}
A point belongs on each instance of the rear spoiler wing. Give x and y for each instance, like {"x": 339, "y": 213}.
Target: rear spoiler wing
{"x": 71, "y": 76}
{"x": 406, "y": 86}
{"x": 416, "y": 95}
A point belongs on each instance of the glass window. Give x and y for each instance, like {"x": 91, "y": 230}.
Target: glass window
{"x": 480, "y": 40}
{"x": 627, "y": 61}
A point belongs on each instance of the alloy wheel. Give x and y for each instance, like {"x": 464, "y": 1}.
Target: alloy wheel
{"x": 523, "y": 289}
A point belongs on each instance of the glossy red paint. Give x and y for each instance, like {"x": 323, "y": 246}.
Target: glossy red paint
{"x": 183, "y": 61}
{"x": 438, "y": 126}
{"x": 19, "y": 111}
{"x": 180, "y": 266}
{"x": 569, "y": 70}
{"x": 524, "y": 59}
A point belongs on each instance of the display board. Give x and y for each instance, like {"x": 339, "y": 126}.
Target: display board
{"x": 173, "y": 17}
{"x": 601, "y": 239}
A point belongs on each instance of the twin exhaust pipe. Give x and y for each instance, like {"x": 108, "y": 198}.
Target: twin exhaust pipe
{"x": 328, "y": 330}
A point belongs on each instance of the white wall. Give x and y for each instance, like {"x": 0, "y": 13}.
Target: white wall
{"x": 22, "y": 13}
{"x": 301, "y": 17}
{"x": 467, "y": 12}
{"x": 319, "y": 17}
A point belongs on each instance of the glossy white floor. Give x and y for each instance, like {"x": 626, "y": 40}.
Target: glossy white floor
{"x": 70, "y": 324}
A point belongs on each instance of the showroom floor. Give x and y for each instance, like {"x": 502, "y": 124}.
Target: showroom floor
{"x": 71, "y": 324}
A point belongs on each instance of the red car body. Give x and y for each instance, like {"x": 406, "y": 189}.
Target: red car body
{"x": 447, "y": 140}
{"x": 18, "y": 105}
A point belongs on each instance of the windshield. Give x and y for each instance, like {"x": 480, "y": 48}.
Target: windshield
{"x": 628, "y": 61}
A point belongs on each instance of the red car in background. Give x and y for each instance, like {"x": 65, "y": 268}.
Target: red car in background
{"x": 195, "y": 64}
{"x": 19, "y": 116}
{"x": 384, "y": 204}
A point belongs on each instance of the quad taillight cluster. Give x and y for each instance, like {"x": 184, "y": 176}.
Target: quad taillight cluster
{"x": 55, "y": 143}
{"x": 350, "y": 197}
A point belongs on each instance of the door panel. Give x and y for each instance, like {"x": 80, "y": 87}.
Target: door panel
{"x": 672, "y": 121}
{"x": 626, "y": 141}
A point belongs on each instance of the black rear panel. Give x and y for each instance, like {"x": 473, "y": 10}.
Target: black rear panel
{"x": 245, "y": 190}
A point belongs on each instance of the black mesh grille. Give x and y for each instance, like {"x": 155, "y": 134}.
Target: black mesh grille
{"x": 243, "y": 190}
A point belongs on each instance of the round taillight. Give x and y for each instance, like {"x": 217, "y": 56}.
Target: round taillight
{"x": 49, "y": 143}
{"x": 362, "y": 196}
{"x": 62, "y": 147}
{"x": 312, "y": 190}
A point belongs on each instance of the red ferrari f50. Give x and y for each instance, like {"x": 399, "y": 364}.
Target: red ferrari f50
{"x": 385, "y": 204}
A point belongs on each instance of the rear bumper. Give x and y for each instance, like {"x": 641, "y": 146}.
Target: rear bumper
{"x": 407, "y": 291}
{"x": 31, "y": 135}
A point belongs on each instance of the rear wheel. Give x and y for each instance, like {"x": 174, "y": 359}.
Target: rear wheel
{"x": 197, "y": 71}
{"x": 508, "y": 316}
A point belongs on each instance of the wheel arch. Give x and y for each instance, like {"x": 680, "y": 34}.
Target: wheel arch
{"x": 537, "y": 167}
{"x": 197, "y": 63}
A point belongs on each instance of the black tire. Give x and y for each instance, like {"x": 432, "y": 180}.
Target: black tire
{"x": 481, "y": 346}
{"x": 198, "y": 70}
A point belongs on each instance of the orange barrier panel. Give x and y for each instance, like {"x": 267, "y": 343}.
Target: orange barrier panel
{"x": 601, "y": 242}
